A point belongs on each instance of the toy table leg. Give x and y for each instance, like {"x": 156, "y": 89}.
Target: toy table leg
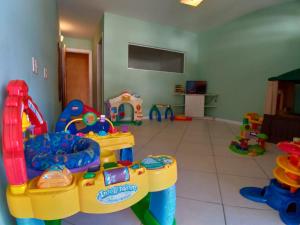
{"x": 163, "y": 205}
{"x": 29, "y": 221}
{"x": 126, "y": 154}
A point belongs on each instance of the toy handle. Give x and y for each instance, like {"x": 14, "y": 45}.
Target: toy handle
{"x": 98, "y": 118}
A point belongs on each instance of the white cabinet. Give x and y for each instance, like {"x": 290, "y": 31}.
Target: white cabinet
{"x": 194, "y": 105}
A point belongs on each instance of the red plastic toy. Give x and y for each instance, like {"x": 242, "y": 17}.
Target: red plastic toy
{"x": 182, "y": 118}
{"x": 15, "y": 104}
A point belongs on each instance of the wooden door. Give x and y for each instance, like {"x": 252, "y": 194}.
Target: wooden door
{"x": 77, "y": 77}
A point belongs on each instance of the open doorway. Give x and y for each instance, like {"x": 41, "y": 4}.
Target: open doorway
{"x": 78, "y": 76}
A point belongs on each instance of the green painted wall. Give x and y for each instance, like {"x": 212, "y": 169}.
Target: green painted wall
{"x": 237, "y": 58}
{"x": 28, "y": 28}
{"x": 78, "y": 43}
{"x": 152, "y": 86}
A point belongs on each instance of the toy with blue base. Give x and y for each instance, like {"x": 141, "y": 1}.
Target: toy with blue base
{"x": 76, "y": 108}
{"x": 156, "y": 109}
{"x": 282, "y": 194}
{"x": 58, "y": 194}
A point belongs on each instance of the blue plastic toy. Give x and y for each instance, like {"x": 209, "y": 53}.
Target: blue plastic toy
{"x": 74, "y": 109}
{"x": 278, "y": 198}
{"x": 155, "y": 109}
{"x": 283, "y": 192}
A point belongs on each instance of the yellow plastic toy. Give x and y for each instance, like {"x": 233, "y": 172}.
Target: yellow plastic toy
{"x": 105, "y": 191}
{"x": 56, "y": 176}
{"x": 147, "y": 186}
{"x": 109, "y": 142}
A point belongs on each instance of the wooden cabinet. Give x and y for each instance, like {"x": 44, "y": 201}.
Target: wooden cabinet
{"x": 194, "y": 105}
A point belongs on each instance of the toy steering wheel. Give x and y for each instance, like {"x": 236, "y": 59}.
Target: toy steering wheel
{"x": 90, "y": 119}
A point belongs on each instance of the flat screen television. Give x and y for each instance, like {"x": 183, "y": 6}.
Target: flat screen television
{"x": 196, "y": 87}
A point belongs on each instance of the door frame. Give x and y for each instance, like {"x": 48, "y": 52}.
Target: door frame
{"x": 89, "y": 52}
{"x": 100, "y": 72}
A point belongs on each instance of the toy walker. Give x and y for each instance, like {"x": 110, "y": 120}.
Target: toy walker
{"x": 74, "y": 109}
{"x": 250, "y": 129}
{"x": 283, "y": 192}
{"x": 147, "y": 186}
{"x": 110, "y": 141}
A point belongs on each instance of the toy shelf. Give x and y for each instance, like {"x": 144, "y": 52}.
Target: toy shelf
{"x": 203, "y": 102}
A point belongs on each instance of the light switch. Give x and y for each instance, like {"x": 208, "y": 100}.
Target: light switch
{"x": 34, "y": 65}
{"x": 45, "y": 73}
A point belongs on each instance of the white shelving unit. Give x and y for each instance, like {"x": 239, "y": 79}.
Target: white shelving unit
{"x": 196, "y": 104}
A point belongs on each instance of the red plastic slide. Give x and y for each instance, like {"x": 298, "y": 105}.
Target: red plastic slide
{"x": 15, "y": 104}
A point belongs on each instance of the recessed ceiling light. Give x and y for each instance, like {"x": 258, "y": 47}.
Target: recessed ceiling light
{"x": 193, "y": 3}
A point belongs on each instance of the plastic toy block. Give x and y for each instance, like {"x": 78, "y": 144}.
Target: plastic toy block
{"x": 53, "y": 222}
{"x": 126, "y": 154}
{"x": 110, "y": 165}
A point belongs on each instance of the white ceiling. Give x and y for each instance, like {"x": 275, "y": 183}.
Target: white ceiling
{"x": 79, "y": 18}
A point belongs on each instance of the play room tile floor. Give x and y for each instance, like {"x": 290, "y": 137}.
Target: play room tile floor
{"x": 209, "y": 175}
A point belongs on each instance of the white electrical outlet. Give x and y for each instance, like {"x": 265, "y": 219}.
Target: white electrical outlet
{"x": 45, "y": 73}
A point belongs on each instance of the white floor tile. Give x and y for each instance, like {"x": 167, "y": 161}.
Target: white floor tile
{"x": 196, "y": 139}
{"x": 221, "y": 141}
{"x": 195, "y": 149}
{"x": 195, "y": 162}
{"x": 223, "y": 151}
{"x": 267, "y": 162}
{"x": 244, "y": 216}
{"x": 190, "y": 212}
{"x": 241, "y": 166}
{"x": 198, "y": 186}
{"x": 65, "y": 223}
{"x": 125, "y": 217}
{"x": 140, "y": 141}
{"x": 230, "y": 190}
{"x": 163, "y": 147}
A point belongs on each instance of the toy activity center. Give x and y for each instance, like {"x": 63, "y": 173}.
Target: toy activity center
{"x": 139, "y": 112}
{"x": 104, "y": 187}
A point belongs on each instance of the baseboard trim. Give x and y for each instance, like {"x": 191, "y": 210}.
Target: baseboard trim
{"x": 228, "y": 121}
{"x": 209, "y": 118}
